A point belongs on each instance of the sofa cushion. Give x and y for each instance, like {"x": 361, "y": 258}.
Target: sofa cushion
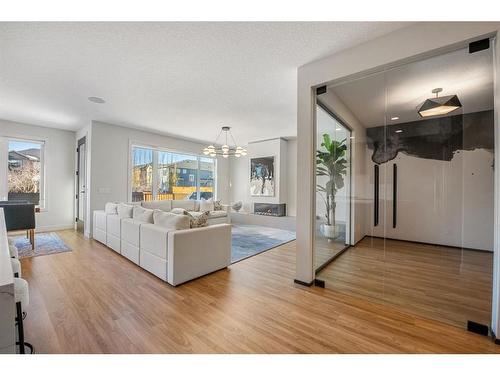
{"x": 206, "y": 205}
{"x": 158, "y": 205}
{"x": 153, "y": 239}
{"x": 142, "y": 214}
{"x": 100, "y": 219}
{"x": 111, "y": 208}
{"x": 130, "y": 231}
{"x": 216, "y": 214}
{"x": 188, "y": 205}
{"x": 179, "y": 211}
{"x": 170, "y": 221}
{"x": 198, "y": 219}
{"x": 113, "y": 225}
{"x": 125, "y": 210}
{"x": 139, "y": 203}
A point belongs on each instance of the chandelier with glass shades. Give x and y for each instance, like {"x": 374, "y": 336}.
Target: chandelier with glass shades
{"x": 225, "y": 150}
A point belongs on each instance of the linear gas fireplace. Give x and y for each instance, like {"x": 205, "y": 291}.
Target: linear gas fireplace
{"x": 269, "y": 209}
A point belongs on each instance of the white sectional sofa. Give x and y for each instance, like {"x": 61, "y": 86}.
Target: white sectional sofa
{"x": 169, "y": 249}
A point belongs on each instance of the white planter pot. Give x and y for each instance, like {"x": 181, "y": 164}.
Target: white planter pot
{"x": 328, "y": 230}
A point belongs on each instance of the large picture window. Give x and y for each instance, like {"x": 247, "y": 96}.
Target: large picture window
{"x": 22, "y": 170}
{"x": 164, "y": 175}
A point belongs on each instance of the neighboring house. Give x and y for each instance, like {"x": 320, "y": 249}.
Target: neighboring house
{"x": 178, "y": 178}
{"x": 24, "y": 158}
{"x": 24, "y": 175}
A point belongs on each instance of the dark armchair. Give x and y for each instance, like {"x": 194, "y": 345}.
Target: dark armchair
{"x": 20, "y": 215}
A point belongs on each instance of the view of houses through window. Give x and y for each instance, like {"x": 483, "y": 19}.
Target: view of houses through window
{"x": 24, "y": 170}
{"x": 163, "y": 175}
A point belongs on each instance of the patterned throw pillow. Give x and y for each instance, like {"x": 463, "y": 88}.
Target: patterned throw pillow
{"x": 198, "y": 221}
{"x": 218, "y": 206}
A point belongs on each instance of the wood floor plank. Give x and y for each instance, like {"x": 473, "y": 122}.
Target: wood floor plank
{"x": 447, "y": 284}
{"x": 92, "y": 300}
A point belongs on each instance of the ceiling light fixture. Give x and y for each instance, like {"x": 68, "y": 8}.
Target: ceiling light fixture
{"x": 225, "y": 150}
{"x": 394, "y": 118}
{"x": 96, "y": 99}
{"x": 439, "y": 105}
{"x": 399, "y": 131}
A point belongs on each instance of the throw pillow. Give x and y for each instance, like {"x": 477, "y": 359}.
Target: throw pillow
{"x": 171, "y": 221}
{"x": 206, "y": 205}
{"x": 218, "y": 206}
{"x": 198, "y": 221}
{"x": 111, "y": 208}
{"x": 142, "y": 214}
{"x": 125, "y": 210}
{"x": 178, "y": 211}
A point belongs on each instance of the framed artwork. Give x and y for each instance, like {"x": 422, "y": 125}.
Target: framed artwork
{"x": 262, "y": 182}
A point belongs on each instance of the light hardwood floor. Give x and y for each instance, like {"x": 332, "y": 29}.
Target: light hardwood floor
{"x": 92, "y": 300}
{"x": 447, "y": 284}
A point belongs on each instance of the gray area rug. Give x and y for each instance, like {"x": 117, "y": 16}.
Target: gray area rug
{"x": 248, "y": 240}
{"x": 45, "y": 243}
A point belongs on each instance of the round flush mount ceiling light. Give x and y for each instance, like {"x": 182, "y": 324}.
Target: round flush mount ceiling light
{"x": 439, "y": 105}
{"x": 96, "y": 99}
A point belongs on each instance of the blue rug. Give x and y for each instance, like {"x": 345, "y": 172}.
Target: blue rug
{"x": 45, "y": 243}
{"x": 248, "y": 240}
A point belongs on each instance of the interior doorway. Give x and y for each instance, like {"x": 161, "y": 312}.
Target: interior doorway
{"x": 81, "y": 192}
{"x": 423, "y": 151}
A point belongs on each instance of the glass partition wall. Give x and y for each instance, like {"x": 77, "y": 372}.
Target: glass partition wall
{"x": 422, "y": 196}
{"x": 333, "y": 185}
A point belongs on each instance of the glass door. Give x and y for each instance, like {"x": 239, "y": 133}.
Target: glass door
{"x": 421, "y": 150}
{"x": 333, "y": 185}
{"x": 81, "y": 192}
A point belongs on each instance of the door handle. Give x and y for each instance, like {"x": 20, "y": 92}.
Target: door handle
{"x": 375, "y": 195}
{"x": 394, "y": 195}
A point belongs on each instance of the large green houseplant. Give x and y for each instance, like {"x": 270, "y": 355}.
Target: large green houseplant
{"x": 331, "y": 162}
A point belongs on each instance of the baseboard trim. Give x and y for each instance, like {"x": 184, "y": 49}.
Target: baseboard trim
{"x": 303, "y": 283}
{"x": 52, "y": 228}
{"x": 430, "y": 243}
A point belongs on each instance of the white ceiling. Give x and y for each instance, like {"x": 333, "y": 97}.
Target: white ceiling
{"x": 399, "y": 91}
{"x": 185, "y": 79}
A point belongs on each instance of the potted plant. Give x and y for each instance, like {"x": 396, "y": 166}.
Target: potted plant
{"x": 331, "y": 162}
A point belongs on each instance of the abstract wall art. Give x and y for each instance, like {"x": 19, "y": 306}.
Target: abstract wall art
{"x": 262, "y": 182}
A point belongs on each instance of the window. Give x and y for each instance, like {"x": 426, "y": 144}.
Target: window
{"x": 165, "y": 175}
{"x": 142, "y": 174}
{"x": 22, "y": 170}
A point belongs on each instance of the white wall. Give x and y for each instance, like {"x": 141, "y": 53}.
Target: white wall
{"x": 59, "y": 169}
{"x": 285, "y": 153}
{"x": 408, "y": 44}
{"x": 439, "y": 202}
{"x": 109, "y": 159}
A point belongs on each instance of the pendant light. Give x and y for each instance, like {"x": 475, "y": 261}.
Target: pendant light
{"x": 225, "y": 150}
{"x": 439, "y": 105}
